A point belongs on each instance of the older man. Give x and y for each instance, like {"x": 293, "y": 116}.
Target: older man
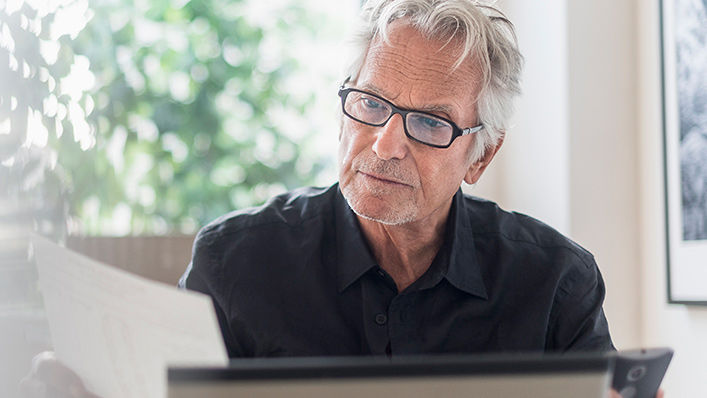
{"x": 395, "y": 259}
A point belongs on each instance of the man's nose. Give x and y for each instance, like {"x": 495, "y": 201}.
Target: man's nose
{"x": 391, "y": 141}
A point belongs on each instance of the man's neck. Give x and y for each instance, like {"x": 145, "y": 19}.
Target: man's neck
{"x": 406, "y": 251}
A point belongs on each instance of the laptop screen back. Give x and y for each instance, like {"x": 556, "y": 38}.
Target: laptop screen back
{"x": 580, "y": 376}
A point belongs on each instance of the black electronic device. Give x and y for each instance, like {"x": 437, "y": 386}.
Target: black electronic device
{"x": 575, "y": 375}
{"x": 638, "y": 373}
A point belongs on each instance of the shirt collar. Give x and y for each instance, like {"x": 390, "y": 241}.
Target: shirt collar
{"x": 354, "y": 257}
{"x": 464, "y": 271}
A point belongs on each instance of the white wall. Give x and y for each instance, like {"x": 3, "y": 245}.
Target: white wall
{"x": 683, "y": 328}
{"x": 603, "y": 89}
{"x": 603, "y": 152}
{"x": 536, "y": 149}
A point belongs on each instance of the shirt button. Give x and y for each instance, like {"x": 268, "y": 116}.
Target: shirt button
{"x": 381, "y": 319}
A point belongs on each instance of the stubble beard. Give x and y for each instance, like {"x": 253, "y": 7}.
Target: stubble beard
{"x": 360, "y": 195}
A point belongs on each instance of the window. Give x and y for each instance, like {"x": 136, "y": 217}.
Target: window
{"x": 156, "y": 117}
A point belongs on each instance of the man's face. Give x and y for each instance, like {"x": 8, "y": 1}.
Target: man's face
{"x": 384, "y": 175}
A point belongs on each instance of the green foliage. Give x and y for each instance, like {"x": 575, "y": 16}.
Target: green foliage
{"x": 35, "y": 111}
{"x": 185, "y": 93}
{"x": 197, "y": 108}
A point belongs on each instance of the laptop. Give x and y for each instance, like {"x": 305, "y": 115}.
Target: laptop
{"x": 505, "y": 375}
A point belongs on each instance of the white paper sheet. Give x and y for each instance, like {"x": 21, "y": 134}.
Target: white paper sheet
{"x": 119, "y": 331}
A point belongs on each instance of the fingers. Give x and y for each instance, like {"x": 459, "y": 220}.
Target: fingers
{"x": 48, "y": 369}
{"x": 49, "y": 377}
{"x": 614, "y": 394}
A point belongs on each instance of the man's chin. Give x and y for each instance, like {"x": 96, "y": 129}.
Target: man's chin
{"x": 374, "y": 209}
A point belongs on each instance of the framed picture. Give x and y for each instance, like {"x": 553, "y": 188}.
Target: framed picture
{"x": 684, "y": 51}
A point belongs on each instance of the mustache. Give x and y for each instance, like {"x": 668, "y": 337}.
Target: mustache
{"x": 388, "y": 169}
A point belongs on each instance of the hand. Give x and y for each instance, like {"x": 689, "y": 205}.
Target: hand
{"x": 614, "y": 394}
{"x": 48, "y": 377}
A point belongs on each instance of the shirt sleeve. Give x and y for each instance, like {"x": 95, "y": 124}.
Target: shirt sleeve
{"x": 202, "y": 276}
{"x": 577, "y": 320}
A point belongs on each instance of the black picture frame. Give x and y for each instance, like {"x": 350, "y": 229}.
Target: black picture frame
{"x": 683, "y": 29}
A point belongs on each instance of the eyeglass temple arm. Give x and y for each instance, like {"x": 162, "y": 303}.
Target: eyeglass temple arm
{"x": 472, "y": 130}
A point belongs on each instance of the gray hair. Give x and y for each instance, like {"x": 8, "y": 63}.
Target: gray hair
{"x": 488, "y": 39}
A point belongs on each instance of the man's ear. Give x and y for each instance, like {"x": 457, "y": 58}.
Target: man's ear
{"x": 477, "y": 168}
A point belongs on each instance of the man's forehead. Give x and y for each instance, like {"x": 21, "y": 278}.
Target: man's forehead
{"x": 412, "y": 81}
{"x": 408, "y": 60}
{"x": 428, "y": 56}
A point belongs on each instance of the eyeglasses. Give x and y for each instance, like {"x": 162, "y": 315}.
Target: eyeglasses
{"x": 422, "y": 127}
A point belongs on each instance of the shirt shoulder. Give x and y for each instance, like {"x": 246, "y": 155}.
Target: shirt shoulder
{"x": 242, "y": 241}
{"x": 278, "y": 226}
{"x": 557, "y": 278}
{"x": 290, "y": 209}
{"x": 490, "y": 221}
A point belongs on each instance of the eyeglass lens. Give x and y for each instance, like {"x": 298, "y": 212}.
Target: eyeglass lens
{"x": 370, "y": 109}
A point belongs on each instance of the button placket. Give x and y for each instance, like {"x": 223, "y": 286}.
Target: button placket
{"x": 404, "y": 338}
{"x": 381, "y": 319}
{"x": 376, "y": 296}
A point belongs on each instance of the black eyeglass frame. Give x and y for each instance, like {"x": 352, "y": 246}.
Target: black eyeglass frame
{"x": 456, "y": 130}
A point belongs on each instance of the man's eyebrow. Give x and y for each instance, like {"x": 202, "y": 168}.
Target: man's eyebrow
{"x": 438, "y": 108}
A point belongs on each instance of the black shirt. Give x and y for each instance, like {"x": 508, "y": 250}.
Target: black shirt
{"x": 295, "y": 277}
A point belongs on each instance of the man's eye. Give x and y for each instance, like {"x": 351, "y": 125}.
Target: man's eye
{"x": 371, "y": 103}
{"x": 430, "y": 122}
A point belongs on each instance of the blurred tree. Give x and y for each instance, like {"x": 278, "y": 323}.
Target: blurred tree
{"x": 140, "y": 116}
{"x": 198, "y": 108}
{"x": 37, "y": 109}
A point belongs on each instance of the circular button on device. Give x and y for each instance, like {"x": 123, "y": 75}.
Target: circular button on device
{"x": 381, "y": 319}
{"x": 636, "y": 373}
